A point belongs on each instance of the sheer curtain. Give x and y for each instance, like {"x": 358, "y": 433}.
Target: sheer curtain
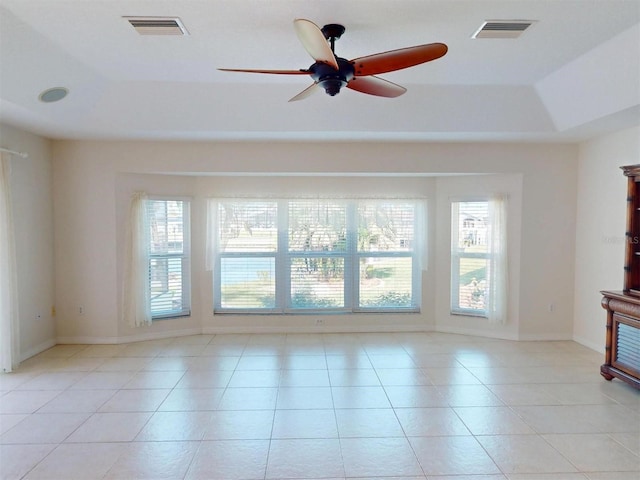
{"x": 137, "y": 288}
{"x": 498, "y": 266}
{"x": 212, "y": 229}
{"x": 9, "y": 333}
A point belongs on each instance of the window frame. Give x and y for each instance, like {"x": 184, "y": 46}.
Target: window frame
{"x": 351, "y": 256}
{"x": 185, "y": 257}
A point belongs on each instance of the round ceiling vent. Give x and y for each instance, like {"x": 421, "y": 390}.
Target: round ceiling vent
{"x": 53, "y": 94}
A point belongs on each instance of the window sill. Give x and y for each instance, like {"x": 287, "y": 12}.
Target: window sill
{"x": 317, "y": 313}
{"x": 171, "y": 317}
{"x": 469, "y": 314}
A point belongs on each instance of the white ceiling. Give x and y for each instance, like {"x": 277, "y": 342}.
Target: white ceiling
{"x": 574, "y": 73}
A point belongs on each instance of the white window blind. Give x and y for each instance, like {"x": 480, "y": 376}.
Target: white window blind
{"x": 316, "y": 255}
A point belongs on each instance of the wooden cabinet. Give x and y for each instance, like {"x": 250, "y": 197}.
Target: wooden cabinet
{"x": 622, "y": 350}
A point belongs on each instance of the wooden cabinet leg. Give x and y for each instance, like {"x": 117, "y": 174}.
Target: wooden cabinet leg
{"x": 607, "y": 376}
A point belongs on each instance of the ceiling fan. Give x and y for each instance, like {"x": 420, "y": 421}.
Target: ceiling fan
{"x": 332, "y": 72}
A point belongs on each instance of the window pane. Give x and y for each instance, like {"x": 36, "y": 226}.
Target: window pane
{"x": 317, "y": 282}
{"x": 385, "y": 282}
{"x": 472, "y": 283}
{"x": 166, "y": 225}
{"x": 248, "y": 226}
{"x": 248, "y": 282}
{"x": 317, "y": 226}
{"x": 386, "y": 226}
{"x": 473, "y": 226}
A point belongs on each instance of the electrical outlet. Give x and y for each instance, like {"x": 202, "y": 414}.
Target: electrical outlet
{"x": 81, "y": 310}
{"x": 319, "y": 321}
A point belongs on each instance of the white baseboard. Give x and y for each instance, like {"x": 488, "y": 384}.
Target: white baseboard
{"x": 87, "y": 340}
{"x": 549, "y": 337}
{"x": 476, "y": 332}
{"x": 599, "y": 347}
{"x": 213, "y": 330}
{"x": 38, "y": 349}
{"x": 141, "y": 337}
{"x": 545, "y": 337}
{"x": 313, "y": 329}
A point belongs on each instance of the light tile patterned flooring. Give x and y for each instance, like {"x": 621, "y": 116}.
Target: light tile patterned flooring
{"x": 412, "y": 405}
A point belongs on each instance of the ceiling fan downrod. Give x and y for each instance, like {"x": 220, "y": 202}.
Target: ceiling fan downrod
{"x": 327, "y": 77}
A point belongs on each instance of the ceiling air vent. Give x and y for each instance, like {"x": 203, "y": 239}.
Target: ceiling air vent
{"x": 502, "y": 28}
{"x": 157, "y": 25}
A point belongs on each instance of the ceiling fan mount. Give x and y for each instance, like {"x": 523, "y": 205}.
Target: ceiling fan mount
{"x": 332, "y": 72}
{"x": 332, "y": 32}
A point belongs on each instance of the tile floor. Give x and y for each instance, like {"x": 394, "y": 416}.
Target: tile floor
{"x": 417, "y": 406}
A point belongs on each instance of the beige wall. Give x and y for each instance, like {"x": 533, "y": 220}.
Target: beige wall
{"x": 93, "y": 181}
{"x": 567, "y": 251}
{"x": 32, "y": 199}
{"x": 600, "y": 228}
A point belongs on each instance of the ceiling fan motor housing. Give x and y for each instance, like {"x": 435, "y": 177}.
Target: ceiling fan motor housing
{"x": 329, "y": 78}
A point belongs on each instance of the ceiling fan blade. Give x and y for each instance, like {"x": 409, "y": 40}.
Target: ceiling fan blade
{"x": 277, "y": 72}
{"x": 313, "y": 41}
{"x": 398, "y": 59}
{"x": 307, "y": 92}
{"x": 376, "y": 86}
